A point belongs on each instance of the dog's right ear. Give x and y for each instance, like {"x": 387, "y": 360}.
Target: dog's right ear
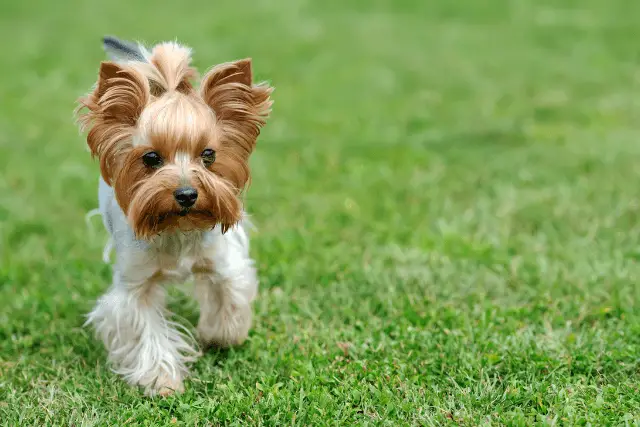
{"x": 111, "y": 111}
{"x": 120, "y": 93}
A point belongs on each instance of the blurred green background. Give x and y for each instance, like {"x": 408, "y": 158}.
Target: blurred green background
{"x": 446, "y": 200}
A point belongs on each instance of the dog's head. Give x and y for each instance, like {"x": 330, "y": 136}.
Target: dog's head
{"x": 176, "y": 156}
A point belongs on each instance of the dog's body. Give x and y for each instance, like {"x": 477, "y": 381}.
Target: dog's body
{"x": 173, "y": 164}
{"x": 225, "y": 285}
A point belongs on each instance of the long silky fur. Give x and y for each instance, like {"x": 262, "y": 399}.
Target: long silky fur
{"x": 146, "y": 101}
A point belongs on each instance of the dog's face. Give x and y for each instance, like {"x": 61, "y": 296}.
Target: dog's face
{"x": 176, "y": 157}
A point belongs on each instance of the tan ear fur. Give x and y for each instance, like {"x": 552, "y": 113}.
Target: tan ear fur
{"x": 241, "y": 109}
{"x": 111, "y": 112}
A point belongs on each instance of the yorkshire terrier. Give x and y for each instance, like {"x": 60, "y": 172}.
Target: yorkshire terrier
{"x": 173, "y": 162}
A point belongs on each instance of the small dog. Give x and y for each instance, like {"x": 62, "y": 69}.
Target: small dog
{"x": 173, "y": 162}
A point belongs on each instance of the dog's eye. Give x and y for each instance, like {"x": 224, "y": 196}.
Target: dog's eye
{"x": 152, "y": 159}
{"x": 208, "y": 156}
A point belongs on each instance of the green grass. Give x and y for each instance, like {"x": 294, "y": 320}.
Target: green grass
{"x": 446, "y": 197}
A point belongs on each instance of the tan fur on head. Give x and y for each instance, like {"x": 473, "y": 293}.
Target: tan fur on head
{"x": 140, "y": 107}
{"x": 169, "y": 68}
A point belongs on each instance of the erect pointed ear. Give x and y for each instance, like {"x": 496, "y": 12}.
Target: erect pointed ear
{"x": 229, "y": 90}
{"x": 241, "y": 109}
{"x": 241, "y": 106}
{"x": 230, "y": 75}
{"x": 121, "y": 93}
{"x": 111, "y": 112}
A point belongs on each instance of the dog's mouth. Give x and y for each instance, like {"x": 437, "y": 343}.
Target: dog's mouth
{"x": 184, "y": 220}
{"x": 200, "y": 213}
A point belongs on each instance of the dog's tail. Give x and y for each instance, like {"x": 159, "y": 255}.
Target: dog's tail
{"x": 123, "y": 50}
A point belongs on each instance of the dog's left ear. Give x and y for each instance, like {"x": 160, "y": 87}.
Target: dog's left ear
{"x": 229, "y": 91}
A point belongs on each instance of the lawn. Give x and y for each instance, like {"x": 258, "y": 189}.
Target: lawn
{"x": 446, "y": 201}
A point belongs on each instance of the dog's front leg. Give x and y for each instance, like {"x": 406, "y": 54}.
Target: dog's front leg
{"x": 225, "y": 286}
{"x": 145, "y": 347}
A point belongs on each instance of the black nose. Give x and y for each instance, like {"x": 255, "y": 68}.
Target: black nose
{"x": 186, "y": 196}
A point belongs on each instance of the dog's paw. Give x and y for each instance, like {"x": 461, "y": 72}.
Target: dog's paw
{"x": 226, "y": 330}
{"x": 165, "y": 385}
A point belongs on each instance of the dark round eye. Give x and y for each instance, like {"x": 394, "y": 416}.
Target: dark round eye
{"x": 152, "y": 159}
{"x": 208, "y": 156}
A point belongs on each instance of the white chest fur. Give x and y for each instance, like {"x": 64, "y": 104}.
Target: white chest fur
{"x": 172, "y": 255}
